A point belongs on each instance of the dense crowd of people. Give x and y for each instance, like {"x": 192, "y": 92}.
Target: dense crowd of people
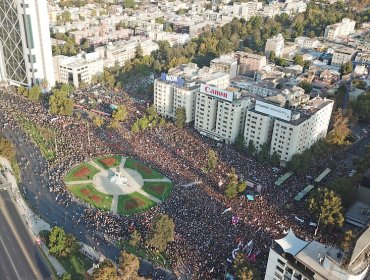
{"x": 205, "y": 234}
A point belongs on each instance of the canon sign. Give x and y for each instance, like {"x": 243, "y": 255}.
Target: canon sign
{"x": 217, "y": 92}
{"x": 274, "y": 111}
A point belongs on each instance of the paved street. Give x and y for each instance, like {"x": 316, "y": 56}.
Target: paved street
{"x": 35, "y": 189}
{"x": 19, "y": 255}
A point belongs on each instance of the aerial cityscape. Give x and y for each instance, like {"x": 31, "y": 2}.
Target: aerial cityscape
{"x": 182, "y": 139}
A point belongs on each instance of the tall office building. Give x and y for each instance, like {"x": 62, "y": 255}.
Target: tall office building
{"x": 25, "y": 47}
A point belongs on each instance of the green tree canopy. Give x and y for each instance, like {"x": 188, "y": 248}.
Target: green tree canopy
{"x": 326, "y": 205}
{"x": 105, "y": 271}
{"x": 162, "y": 232}
{"x": 239, "y": 142}
{"x": 34, "y": 93}
{"x": 120, "y": 114}
{"x": 346, "y": 68}
{"x": 212, "y": 159}
{"x": 61, "y": 244}
{"x": 243, "y": 269}
{"x": 307, "y": 86}
{"x": 128, "y": 267}
{"x": 180, "y": 117}
{"x": 60, "y": 103}
{"x": 341, "y": 131}
{"x": 7, "y": 149}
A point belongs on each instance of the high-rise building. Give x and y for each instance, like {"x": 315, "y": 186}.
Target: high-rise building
{"x": 292, "y": 258}
{"x": 25, "y": 47}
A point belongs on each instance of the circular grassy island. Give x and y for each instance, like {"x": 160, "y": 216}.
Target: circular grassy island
{"x": 119, "y": 184}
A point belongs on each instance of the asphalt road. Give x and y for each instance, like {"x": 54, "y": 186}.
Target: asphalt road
{"x": 44, "y": 202}
{"x": 20, "y": 258}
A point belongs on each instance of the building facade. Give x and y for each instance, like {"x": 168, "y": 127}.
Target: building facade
{"x": 77, "y": 70}
{"x": 25, "y": 46}
{"x": 341, "y": 29}
{"x": 287, "y": 132}
{"x": 275, "y": 44}
{"x": 292, "y": 258}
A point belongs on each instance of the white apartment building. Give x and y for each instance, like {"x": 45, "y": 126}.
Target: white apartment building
{"x": 220, "y": 113}
{"x": 292, "y": 258}
{"x": 247, "y": 10}
{"x": 307, "y": 43}
{"x": 249, "y": 63}
{"x": 121, "y": 51}
{"x": 342, "y": 55}
{"x": 287, "y": 132}
{"x": 226, "y": 64}
{"x": 25, "y": 47}
{"x": 341, "y": 29}
{"x": 77, "y": 69}
{"x": 179, "y": 88}
{"x": 275, "y": 44}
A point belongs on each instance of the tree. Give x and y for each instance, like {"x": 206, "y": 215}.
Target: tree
{"x": 341, "y": 131}
{"x": 7, "y": 149}
{"x": 298, "y": 59}
{"x": 60, "y": 103}
{"x": 21, "y": 90}
{"x": 263, "y": 154}
{"x": 98, "y": 120}
{"x": 105, "y": 271}
{"x": 231, "y": 190}
{"x": 275, "y": 158}
{"x": 128, "y": 267}
{"x": 306, "y": 86}
{"x": 180, "y": 117}
{"x": 162, "y": 232}
{"x": 272, "y": 56}
{"x": 251, "y": 149}
{"x": 360, "y": 84}
{"x": 139, "y": 51}
{"x": 66, "y": 276}
{"x": 34, "y": 93}
{"x": 135, "y": 238}
{"x": 326, "y": 205}
{"x": 212, "y": 159}
{"x": 160, "y": 20}
{"x": 243, "y": 269}
{"x": 362, "y": 107}
{"x": 239, "y": 142}
{"x": 44, "y": 84}
{"x": 346, "y": 68}
{"x": 241, "y": 187}
{"x": 168, "y": 29}
{"x": 129, "y": 4}
{"x": 120, "y": 114}
{"x": 344, "y": 187}
{"x": 61, "y": 244}
{"x": 300, "y": 162}
{"x": 347, "y": 239}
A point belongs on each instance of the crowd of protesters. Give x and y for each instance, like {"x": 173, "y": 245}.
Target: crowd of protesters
{"x": 205, "y": 234}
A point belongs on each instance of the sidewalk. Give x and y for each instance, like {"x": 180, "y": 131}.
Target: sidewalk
{"x": 33, "y": 222}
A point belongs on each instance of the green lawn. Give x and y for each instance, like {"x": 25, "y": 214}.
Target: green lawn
{"x": 145, "y": 171}
{"x": 43, "y": 137}
{"x": 154, "y": 257}
{"x": 71, "y": 176}
{"x": 76, "y": 265}
{"x": 100, "y": 161}
{"x": 139, "y": 203}
{"x": 88, "y": 193}
{"x": 149, "y": 188}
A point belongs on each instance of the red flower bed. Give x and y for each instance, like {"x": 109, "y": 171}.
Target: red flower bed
{"x": 143, "y": 168}
{"x": 96, "y": 198}
{"x": 109, "y": 161}
{"x": 82, "y": 172}
{"x": 85, "y": 192}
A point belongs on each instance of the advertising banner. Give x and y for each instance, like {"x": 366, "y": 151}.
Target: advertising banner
{"x": 172, "y": 79}
{"x": 217, "y": 92}
{"x": 273, "y": 110}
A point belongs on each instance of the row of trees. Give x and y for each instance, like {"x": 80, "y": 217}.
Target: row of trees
{"x": 162, "y": 232}
{"x": 149, "y": 120}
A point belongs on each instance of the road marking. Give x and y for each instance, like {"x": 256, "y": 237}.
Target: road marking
{"x": 11, "y": 261}
{"x": 21, "y": 245}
